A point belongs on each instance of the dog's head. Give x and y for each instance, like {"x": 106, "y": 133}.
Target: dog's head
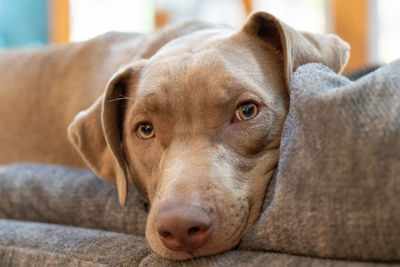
{"x": 199, "y": 129}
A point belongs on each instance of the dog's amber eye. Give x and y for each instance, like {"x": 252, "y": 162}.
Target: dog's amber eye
{"x": 246, "y": 111}
{"x": 145, "y": 130}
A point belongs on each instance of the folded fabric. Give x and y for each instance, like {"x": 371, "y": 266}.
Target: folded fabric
{"x": 336, "y": 192}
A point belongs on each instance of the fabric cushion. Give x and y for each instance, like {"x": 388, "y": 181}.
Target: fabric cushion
{"x": 245, "y": 258}
{"x": 62, "y": 195}
{"x": 336, "y": 192}
{"x": 40, "y": 244}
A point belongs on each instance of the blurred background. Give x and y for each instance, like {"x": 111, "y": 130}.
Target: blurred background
{"x": 372, "y": 27}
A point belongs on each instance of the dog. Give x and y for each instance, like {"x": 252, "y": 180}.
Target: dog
{"x": 192, "y": 115}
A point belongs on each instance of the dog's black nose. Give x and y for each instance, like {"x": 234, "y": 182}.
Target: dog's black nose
{"x": 184, "y": 228}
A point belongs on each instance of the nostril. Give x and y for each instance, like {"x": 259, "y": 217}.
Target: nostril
{"x": 197, "y": 230}
{"x": 166, "y": 235}
{"x": 197, "y": 236}
{"x": 193, "y": 231}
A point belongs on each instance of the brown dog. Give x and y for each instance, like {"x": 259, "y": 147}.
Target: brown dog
{"x": 193, "y": 116}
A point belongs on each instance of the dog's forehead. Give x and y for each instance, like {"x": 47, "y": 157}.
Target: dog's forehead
{"x": 205, "y": 59}
{"x": 211, "y": 71}
{"x": 205, "y": 68}
{"x": 193, "y": 80}
{"x": 187, "y": 85}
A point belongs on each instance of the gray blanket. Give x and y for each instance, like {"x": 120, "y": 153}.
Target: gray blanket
{"x": 337, "y": 189}
{"x": 335, "y": 194}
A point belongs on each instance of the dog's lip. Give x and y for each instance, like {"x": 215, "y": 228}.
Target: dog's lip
{"x": 182, "y": 255}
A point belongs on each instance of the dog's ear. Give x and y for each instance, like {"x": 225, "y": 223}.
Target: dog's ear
{"x": 97, "y": 133}
{"x": 297, "y": 47}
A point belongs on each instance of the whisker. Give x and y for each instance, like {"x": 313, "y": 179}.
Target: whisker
{"x": 123, "y": 97}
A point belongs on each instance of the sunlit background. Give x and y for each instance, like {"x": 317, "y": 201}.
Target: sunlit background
{"x": 372, "y": 27}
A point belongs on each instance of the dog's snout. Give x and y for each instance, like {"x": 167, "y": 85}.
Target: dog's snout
{"x": 184, "y": 228}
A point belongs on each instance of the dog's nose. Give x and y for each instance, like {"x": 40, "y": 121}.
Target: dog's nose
{"x": 184, "y": 228}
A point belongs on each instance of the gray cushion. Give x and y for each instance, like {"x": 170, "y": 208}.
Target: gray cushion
{"x": 62, "y": 195}
{"x": 40, "y": 244}
{"x": 337, "y": 189}
{"x": 244, "y": 258}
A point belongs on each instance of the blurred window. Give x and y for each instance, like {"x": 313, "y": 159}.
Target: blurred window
{"x": 305, "y": 15}
{"x": 90, "y": 18}
{"x": 230, "y": 12}
{"x": 388, "y": 30}
{"x": 26, "y": 22}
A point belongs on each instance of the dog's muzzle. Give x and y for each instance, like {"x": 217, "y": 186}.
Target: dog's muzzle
{"x": 184, "y": 226}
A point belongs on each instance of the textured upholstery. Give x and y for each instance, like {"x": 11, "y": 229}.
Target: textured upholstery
{"x": 62, "y": 195}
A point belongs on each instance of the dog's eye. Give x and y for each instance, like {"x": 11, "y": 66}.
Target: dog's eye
{"x": 145, "y": 130}
{"x": 246, "y": 111}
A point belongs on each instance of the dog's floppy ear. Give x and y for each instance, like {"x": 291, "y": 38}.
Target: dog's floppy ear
{"x": 97, "y": 133}
{"x": 297, "y": 47}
